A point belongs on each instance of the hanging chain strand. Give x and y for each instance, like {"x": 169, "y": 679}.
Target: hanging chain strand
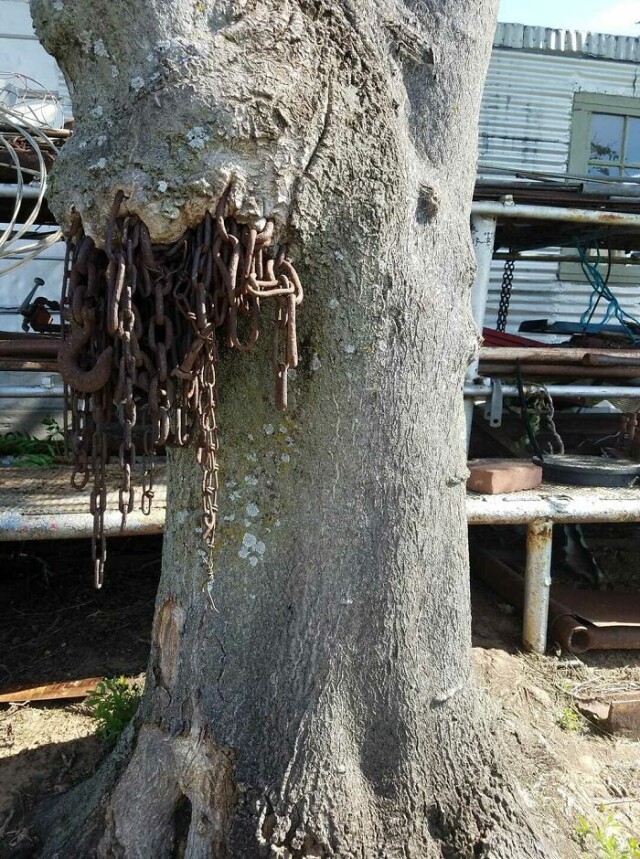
{"x": 505, "y": 294}
{"x": 139, "y": 351}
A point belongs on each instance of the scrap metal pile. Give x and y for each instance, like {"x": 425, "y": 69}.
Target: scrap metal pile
{"x": 139, "y": 347}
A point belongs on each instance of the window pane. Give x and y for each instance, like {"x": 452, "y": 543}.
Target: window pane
{"x": 606, "y": 137}
{"x": 634, "y": 172}
{"x": 632, "y": 152}
{"x": 603, "y": 170}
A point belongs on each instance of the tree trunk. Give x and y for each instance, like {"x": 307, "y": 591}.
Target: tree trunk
{"x": 309, "y": 690}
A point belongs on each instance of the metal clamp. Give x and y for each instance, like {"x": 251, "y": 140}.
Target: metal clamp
{"x": 493, "y": 406}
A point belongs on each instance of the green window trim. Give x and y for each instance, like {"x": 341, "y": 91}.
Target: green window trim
{"x": 585, "y": 104}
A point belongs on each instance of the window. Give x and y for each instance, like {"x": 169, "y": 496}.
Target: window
{"x": 605, "y": 141}
{"x": 605, "y": 135}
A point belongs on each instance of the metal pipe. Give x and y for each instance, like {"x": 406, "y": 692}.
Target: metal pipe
{"x": 551, "y": 213}
{"x": 537, "y": 582}
{"x": 557, "y": 354}
{"x": 37, "y": 392}
{"x": 577, "y": 371}
{"x": 57, "y": 526}
{"x": 563, "y": 504}
{"x": 30, "y": 347}
{"x": 590, "y": 392}
{"x": 30, "y": 192}
{"x": 29, "y": 365}
{"x": 556, "y": 258}
{"x": 483, "y": 237}
{"x": 563, "y": 626}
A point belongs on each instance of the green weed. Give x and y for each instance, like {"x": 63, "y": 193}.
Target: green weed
{"x": 571, "y": 720}
{"x": 113, "y": 704}
{"x": 31, "y": 451}
{"x": 605, "y": 839}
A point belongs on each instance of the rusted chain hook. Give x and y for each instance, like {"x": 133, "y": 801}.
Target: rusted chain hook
{"x": 86, "y": 381}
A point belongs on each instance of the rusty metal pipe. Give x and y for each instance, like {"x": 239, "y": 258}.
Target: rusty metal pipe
{"x": 557, "y": 355}
{"x": 565, "y": 627}
{"x": 28, "y": 348}
{"x": 578, "y": 371}
{"x": 532, "y": 212}
{"x": 537, "y": 582}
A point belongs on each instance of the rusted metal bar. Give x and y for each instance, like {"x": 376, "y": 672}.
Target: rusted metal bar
{"x": 564, "y": 624}
{"x": 29, "y": 348}
{"x": 29, "y": 365}
{"x": 537, "y": 581}
{"x": 557, "y": 355}
{"x": 508, "y": 209}
{"x": 569, "y": 371}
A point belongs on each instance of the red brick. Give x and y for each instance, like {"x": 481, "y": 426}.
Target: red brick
{"x": 491, "y": 476}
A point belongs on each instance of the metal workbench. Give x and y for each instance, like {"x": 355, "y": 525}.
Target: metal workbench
{"x": 41, "y": 504}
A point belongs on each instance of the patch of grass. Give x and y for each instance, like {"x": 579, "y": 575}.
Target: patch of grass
{"x": 605, "y": 839}
{"x": 113, "y": 705}
{"x": 29, "y": 450}
{"x": 570, "y": 720}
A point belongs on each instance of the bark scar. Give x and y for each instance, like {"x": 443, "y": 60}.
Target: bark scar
{"x": 168, "y": 629}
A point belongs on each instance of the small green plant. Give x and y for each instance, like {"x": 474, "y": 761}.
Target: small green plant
{"x": 28, "y": 450}
{"x": 113, "y": 705}
{"x": 605, "y": 839}
{"x": 571, "y": 720}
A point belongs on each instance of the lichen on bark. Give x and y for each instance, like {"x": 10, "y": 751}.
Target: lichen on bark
{"x": 309, "y": 690}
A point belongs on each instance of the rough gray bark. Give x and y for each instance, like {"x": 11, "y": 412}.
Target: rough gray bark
{"x": 309, "y": 689}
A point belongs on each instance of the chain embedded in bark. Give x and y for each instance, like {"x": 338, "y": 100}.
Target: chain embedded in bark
{"x": 139, "y": 350}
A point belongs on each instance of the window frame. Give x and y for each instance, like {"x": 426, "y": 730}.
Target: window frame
{"x": 585, "y": 104}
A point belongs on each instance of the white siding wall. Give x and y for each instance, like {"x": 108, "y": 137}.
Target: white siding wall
{"x": 525, "y": 122}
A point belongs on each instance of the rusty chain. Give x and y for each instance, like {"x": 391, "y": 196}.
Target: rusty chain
{"x": 138, "y": 352}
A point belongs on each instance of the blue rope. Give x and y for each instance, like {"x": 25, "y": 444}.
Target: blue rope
{"x": 601, "y": 290}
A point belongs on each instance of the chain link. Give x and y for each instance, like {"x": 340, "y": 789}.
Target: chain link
{"x": 139, "y": 348}
{"x": 505, "y": 294}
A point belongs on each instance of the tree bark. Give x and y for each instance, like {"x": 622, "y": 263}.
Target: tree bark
{"x": 309, "y": 690}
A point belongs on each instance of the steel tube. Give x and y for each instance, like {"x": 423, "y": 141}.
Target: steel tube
{"x": 575, "y": 371}
{"x": 37, "y": 392}
{"x": 563, "y": 504}
{"x": 483, "y": 237}
{"x": 555, "y": 258}
{"x": 530, "y": 212}
{"x": 29, "y": 192}
{"x": 41, "y": 348}
{"x": 59, "y": 526}
{"x": 591, "y": 392}
{"x": 556, "y": 354}
{"x": 537, "y": 582}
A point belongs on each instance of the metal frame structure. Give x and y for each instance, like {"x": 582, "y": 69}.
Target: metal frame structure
{"x": 540, "y": 510}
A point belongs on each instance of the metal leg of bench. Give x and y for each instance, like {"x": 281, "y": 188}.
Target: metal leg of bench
{"x": 537, "y": 581}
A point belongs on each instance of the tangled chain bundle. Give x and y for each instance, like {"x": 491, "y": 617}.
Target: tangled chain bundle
{"x": 139, "y": 346}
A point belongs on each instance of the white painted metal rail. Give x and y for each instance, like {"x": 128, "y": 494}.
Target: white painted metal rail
{"x": 41, "y": 504}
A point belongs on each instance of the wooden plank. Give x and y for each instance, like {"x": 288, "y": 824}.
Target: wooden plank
{"x": 51, "y": 691}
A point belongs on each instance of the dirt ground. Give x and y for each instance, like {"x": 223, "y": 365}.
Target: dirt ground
{"x": 56, "y": 627}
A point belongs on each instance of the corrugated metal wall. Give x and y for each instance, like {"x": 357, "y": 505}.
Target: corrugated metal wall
{"x": 525, "y": 122}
